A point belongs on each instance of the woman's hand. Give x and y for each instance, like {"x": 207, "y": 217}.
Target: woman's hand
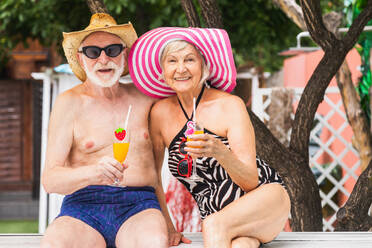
{"x": 175, "y": 238}
{"x": 205, "y": 145}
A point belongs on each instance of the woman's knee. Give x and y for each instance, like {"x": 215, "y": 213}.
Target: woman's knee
{"x": 280, "y": 196}
{"x": 245, "y": 242}
{"x": 216, "y": 227}
{"x": 157, "y": 239}
{"x": 214, "y": 222}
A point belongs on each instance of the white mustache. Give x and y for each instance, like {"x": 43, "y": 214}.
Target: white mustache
{"x": 109, "y": 65}
{"x": 105, "y": 80}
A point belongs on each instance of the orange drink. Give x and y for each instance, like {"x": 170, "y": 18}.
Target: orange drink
{"x": 195, "y": 132}
{"x": 120, "y": 151}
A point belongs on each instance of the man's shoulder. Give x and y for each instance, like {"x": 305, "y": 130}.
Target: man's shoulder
{"x": 138, "y": 95}
{"x": 69, "y": 97}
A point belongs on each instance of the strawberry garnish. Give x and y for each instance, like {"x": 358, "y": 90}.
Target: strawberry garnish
{"x": 120, "y": 133}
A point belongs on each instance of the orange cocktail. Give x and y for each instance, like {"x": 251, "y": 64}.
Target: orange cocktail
{"x": 195, "y": 132}
{"x": 120, "y": 151}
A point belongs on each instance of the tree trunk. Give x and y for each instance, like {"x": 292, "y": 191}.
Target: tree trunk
{"x": 353, "y": 216}
{"x": 335, "y": 52}
{"x": 295, "y": 171}
{"x": 211, "y": 13}
{"x": 355, "y": 115}
{"x": 96, "y": 6}
{"x": 191, "y": 15}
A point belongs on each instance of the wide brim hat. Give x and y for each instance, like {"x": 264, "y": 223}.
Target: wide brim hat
{"x": 214, "y": 45}
{"x": 98, "y": 22}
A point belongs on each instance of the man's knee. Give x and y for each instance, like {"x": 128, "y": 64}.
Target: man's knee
{"x": 47, "y": 242}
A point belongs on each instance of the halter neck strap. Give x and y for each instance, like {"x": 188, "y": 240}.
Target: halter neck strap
{"x": 197, "y": 103}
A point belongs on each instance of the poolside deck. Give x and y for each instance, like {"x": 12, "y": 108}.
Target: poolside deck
{"x": 284, "y": 240}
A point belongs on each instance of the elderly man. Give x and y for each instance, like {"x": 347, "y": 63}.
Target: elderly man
{"x": 107, "y": 203}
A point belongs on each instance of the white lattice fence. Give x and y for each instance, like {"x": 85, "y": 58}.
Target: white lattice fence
{"x": 332, "y": 158}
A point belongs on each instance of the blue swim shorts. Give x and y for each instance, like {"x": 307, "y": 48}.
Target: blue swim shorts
{"x": 106, "y": 208}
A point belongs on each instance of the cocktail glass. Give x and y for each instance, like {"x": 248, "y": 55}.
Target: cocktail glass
{"x": 198, "y": 129}
{"x": 120, "y": 150}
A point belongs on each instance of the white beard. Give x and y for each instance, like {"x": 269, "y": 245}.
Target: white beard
{"x": 104, "y": 80}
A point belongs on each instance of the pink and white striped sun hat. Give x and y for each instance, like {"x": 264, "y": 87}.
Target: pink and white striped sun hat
{"x": 214, "y": 44}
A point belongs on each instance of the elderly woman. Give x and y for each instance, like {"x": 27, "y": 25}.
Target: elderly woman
{"x": 242, "y": 201}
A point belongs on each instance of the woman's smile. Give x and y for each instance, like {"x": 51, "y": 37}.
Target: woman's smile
{"x": 182, "y": 69}
{"x": 182, "y": 79}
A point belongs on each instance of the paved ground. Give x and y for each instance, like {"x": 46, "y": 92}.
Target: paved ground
{"x": 284, "y": 240}
{"x": 18, "y": 206}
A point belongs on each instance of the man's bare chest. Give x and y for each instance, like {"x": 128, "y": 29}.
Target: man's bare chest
{"x": 94, "y": 128}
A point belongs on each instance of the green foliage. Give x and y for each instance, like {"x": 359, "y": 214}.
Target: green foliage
{"x": 258, "y": 30}
{"x": 364, "y": 45}
{"x": 334, "y": 5}
{"x": 147, "y": 14}
{"x": 45, "y": 20}
{"x": 37, "y": 19}
{"x": 18, "y": 226}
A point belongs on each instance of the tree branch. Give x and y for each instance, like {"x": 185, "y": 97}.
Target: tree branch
{"x": 353, "y": 216}
{"x": 355, "y": 115}
{"x": 211, "y": 13}
{"x": 191, "y": 15}
{"x": 311, "y": 97}
{"x": 293, "y": 12}
{"x": 96, "y": 6}
{"x": 314, "y": 91}
{"x": 314, "y": 22}
{"x": 357, "y": 26}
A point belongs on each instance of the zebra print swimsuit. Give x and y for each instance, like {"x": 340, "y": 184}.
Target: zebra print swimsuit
{"x": 215, "y": 189}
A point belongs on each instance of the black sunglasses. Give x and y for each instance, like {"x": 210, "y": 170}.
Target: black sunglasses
{"x": 94, "y": 52}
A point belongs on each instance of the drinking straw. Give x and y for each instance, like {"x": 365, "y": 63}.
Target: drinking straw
{"x": 194, "y": 117}
{"x": 127, "y": 119}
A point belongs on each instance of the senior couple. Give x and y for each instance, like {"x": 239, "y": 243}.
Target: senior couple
{"x": 242, "y": 200}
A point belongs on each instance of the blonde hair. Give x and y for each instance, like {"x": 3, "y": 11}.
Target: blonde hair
{"x": 177, "y": 45}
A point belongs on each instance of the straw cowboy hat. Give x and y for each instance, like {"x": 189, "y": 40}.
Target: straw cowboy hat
{"x": 98, "y": 22}
{"x": 214, "y": 45}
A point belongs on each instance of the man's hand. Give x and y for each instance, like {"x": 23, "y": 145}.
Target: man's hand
{"x": 108, "y": 171}
{"x": 175, "y": 238}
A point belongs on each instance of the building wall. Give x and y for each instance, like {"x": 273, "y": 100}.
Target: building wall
{"x": 15, "y": 135}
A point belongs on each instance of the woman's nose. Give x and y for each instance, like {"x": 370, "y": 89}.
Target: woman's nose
{"x": 181, "y": 67}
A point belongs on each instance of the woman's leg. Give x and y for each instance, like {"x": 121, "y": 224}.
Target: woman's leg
{"x": 260, "y": 214}
{"x": 245, "y": 242}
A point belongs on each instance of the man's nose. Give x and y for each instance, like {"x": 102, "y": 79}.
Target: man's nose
{"x": 103, "y": 58}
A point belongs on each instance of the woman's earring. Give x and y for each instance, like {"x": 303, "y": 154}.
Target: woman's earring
{"x": 207, "y": 84}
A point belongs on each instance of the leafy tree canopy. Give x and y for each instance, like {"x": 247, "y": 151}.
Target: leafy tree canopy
{"x": 258, "y": 30}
